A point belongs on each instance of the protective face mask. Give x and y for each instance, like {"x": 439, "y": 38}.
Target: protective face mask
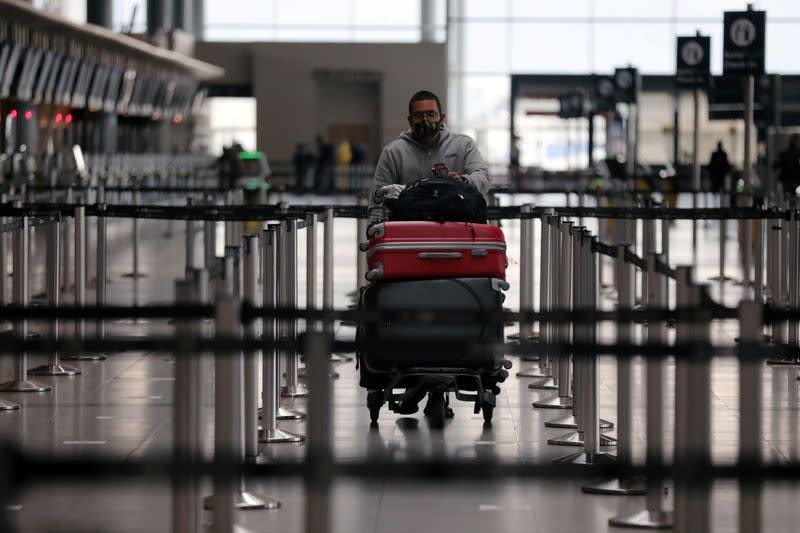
{"x": 425, "y": 129}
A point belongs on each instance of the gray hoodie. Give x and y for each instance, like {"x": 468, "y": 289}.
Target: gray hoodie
{"x": 405, "y": 160}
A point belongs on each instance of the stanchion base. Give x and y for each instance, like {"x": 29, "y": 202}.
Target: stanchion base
{"x": 554, "y": 402}
{"x": 245, "y": 501}
{"x": 135, "y": 275}
{"x": 723, "y": 279}
{"x": 210, "y": 528}
{"x": 5, "y": 405}
{"x": 568, "y": 422}
{"x": 84, "y": 357}
{"x": 290, "y": 414}
{"x": 336, "y": 359}
{"x": 24, "y": 386}
{"x": 294, "y": 392}
{"x": 545, "y": 384}
{"x": 587, "y": 459}
{"x": 331, "y": 374}
{"x": 616, "y": 487}
{"x": 644, "y": 519}
{"x": 14, "y": 507}
{"x": 529, "y": 358}
{"x": 791, "y": 362}
{"x": 344, "y": 356}
{"x": 278, "y": 436}
{"x": 576, "y": 439}
{"x": 535, "y": 373}
{"x": 54, "y": 370}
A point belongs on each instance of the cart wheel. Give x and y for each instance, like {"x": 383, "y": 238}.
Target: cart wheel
{"x": 488, "y": 411}
{"x": 374, "y": 403}
{"x": 438, "y": 410}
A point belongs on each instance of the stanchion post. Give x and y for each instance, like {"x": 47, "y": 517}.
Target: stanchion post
{"x": 135, "y": 274}
{"x": 189, "y": 239}
{"x": 20, "y": 290}
{"x": 545, "y": 288}
{"x": 101, "y": 261}
{"x": 209, "y": 241}
{"x": 327, "y": 265}
{"x": 761, "y": 227}
{"x": 293, "y": 388}
{"x": 625, "y": 278}
{"x": 270, "y": 397}
{"x": 526, "y": 295}
{"x": 750, "y": 421}
{"x": 250, "y": 296}
{"x": 79, "y": 219}
{"x": 692, "y": 413}
{"x": 311, "y": 266}
{"x": 52, "y": 271}
{"x": 188, "y": 402}
{"x": 653, "y": 516}
{"x": 317, "y": 511}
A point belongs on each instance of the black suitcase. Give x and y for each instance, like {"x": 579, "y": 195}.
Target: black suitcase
{"x": 469, "y": 294}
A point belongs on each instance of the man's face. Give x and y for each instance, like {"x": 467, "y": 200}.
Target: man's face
{"x": 423, "y": 110}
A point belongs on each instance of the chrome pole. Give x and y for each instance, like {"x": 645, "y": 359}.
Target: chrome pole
{"x": 750, "y": 419}
{"x": 80, "y": 285}
{"x": 692, "y": 414}
{"x": 653, "y": 516}
{"x": 281, "y": 294}
{"x": 21, "y": 294}
{"x": 189, "y": 239}
{"x": 293, "y": 388}
{"x": 320, "y": 424}
{"x": 250, "y": 296}
{"x": 186, "y": 497}
{"x": 543, "y": 370}
{"x": 135, "y": 274}
{"x": 52, "y": 271}
{"x": 270, "y": 397}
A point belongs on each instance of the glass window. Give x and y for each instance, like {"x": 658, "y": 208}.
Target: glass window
{"x": 548, "y": 8}
{"x": 486, "y": 100}
{"x": 483, "y": 8}
{"x": 550, "y": 47}
{"x": 715, "y": 8}
{"x": 231, "y": 119}
{"x": 649, "y": 47}
{"x": 314, "y": 12}
{"x": 781, "y": 47}
{"x": 618, "y": 9}
{"x": 124, "y": 10}
{"x": 486, "y": 47}
{"x": 372, "y": 13}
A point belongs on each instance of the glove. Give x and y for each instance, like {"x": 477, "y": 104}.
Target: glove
{"x": 388, "y": 191}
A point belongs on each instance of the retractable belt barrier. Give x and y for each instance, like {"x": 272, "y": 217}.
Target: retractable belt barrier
{"x": 250, "y": 326}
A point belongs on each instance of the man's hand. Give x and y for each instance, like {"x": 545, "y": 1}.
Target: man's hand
{"x": 454, "y": 175}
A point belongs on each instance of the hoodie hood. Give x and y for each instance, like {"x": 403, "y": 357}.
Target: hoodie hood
{"x": 408, "y": 136}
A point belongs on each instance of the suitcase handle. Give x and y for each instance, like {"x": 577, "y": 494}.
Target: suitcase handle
{"x": 439, "y": 255}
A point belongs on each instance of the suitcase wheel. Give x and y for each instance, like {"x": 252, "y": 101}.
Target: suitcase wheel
{"x": 437, "y": 409}
{"x": 374, "y": 403}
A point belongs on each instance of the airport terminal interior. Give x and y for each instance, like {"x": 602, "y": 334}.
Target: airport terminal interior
{"x": 384, "y": 266}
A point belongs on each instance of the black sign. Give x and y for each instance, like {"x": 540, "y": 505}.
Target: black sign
{"x": 694, "y": 61}
{"x": 572, "y": 105}
{"x": 744, "y": 39}
{"x": 627, "y": 83}
{"x": 604, "y": 90}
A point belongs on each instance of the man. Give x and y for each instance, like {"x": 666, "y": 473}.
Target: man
{"x": 427, "y": 142}
{"x": 412, "y": 156}
{"x": 788, "y": 166}
{"x": 718, "y": 168}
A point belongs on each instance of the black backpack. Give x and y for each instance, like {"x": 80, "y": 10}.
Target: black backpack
{"x": 438, "y": 199}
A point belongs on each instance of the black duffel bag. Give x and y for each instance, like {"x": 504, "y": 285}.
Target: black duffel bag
{"x": 438, "y": 199}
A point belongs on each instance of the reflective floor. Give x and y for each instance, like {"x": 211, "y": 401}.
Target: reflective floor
{"x": 121, "y": 407}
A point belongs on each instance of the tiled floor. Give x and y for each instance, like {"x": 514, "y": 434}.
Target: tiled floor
{"x": 122, "y": 408}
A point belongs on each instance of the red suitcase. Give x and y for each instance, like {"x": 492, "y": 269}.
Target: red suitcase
{"x": 418, "y": 250}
